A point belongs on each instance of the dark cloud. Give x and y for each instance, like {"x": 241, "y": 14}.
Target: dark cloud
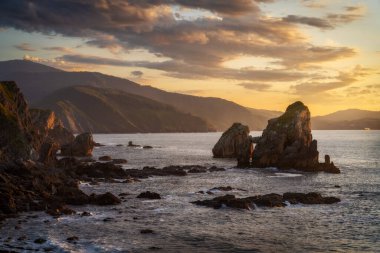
{"x": 311, "y": 21}
{"x": 331, "y": 20}
{"x": 25, "y": 47}
{"x": 137, "y": 73}
{"x": 256, "y": 86}
{"x": 196, "y": 48}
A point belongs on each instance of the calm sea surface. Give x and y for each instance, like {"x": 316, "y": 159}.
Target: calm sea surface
{"x": 352, "y": 225}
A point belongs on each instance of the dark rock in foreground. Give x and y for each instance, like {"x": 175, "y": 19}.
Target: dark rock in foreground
{"x": 105, "y": 158}
{"x": 268, "y": 200}
{"x": 149, "y": 195}
{"x": 287, "y": 143}
{"x": 104, "y": 199}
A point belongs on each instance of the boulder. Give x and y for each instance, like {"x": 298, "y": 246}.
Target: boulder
{"x": 104, "y": 199}
{"x": 149, "y": 195}
{"x": 287, "y": 143}
{"x": 231, "y": 142}
{"x": 81, "y": 146}
{"x": 105, "y": 158}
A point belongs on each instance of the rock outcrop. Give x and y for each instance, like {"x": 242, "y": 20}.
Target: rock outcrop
{"x": 267, "y": 200}
{"x": 50, "y": 128}
{"x": 287, "y": 143}
{"x": 18, "y": 139}
{"x": 25, "y": 183}
{"x": 81, "y": 146}
{"x": 231, "y": 143}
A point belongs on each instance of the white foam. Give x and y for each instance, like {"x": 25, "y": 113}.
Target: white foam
{"x": 286, "y": 175}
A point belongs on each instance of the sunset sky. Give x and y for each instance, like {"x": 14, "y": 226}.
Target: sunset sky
{"x": 260, "y": 54}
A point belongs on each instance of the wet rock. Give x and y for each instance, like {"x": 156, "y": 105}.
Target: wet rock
{"x": 84, "y": 214}
{"x": 214, "y": 168}
{"x": 81, "y": 146}
{"x": 59, "y": 211}
{"x": 119, "y": 161}
{"x": 72, "y": 239}
{"x": 97, "y": 144}
{"x": 104, "y": 199}
{"x": 311, "y": 198}
{"x": 40, "y": 241}
{"x": 149, "y": 195}
{"x": 147, "y": 147}
{"x": 226, "y": 200}
{"x": 100, "y": 170}
{"x": 105, "y": 158}
{"x": 222, "y": 188}
{"x": 130, "y": 144}
{"x": 268, "y": 200}
{"x": 231, "y": 142}
{"x": 124, "y": 194}
{"x": 119, "y": 145}
{"x": 197, "y": 170}
{"x": 287, "y": 143}
{"x": 146, "y": 231}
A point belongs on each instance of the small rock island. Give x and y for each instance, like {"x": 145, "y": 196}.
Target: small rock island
{"x": 286, "y": 143}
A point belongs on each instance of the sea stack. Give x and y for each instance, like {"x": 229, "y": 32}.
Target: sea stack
{"x": 287, "y": 143}
{"x": 233, "y": 142}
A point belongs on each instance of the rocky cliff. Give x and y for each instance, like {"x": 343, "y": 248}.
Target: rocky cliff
{"x": 18, "y": 139}
{"x": 287, "y": 143}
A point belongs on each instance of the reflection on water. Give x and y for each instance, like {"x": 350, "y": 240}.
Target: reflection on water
{"x": 350, "y": 226}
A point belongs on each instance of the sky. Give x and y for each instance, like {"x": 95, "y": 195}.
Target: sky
{"x": 258, "y": 53}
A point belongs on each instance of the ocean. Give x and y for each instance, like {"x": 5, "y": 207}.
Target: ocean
{"x": 353, "y": 225}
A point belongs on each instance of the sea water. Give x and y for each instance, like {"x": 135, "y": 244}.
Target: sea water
{"x": 353, "y": 225}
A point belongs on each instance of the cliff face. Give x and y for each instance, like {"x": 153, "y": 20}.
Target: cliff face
{"x": 17, "y": 137}
{"x": 287, "y": 142}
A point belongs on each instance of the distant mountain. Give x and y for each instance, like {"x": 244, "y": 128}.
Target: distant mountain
{"x": 15, "y": 66}
{"x": 84, "y": 108}
{"x": 262, "y": 116}
{"x": 351, "y": 119}
{"x": 217, "y": 112}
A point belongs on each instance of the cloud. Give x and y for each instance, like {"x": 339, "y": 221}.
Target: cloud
{"x": 195, "y": 48}
{"x": 256, "y": 86}
{"x": 343, "y": 79}
{"x": 183, "y": 70}
{"x": 137, "y": 73}
{"x": 25, "y": 47}
{"x": 311, "y": 21}
{"x": 331, "y": 20}
{"x": 59, "y": 49}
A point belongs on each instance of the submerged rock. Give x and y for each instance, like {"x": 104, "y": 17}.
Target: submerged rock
{"x": 231, "y": 142}
{"x": 287, "y": 143}
{"x": 81, "y": 146}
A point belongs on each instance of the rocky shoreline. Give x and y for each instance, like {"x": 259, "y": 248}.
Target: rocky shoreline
{"x": 32, "y": 178}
